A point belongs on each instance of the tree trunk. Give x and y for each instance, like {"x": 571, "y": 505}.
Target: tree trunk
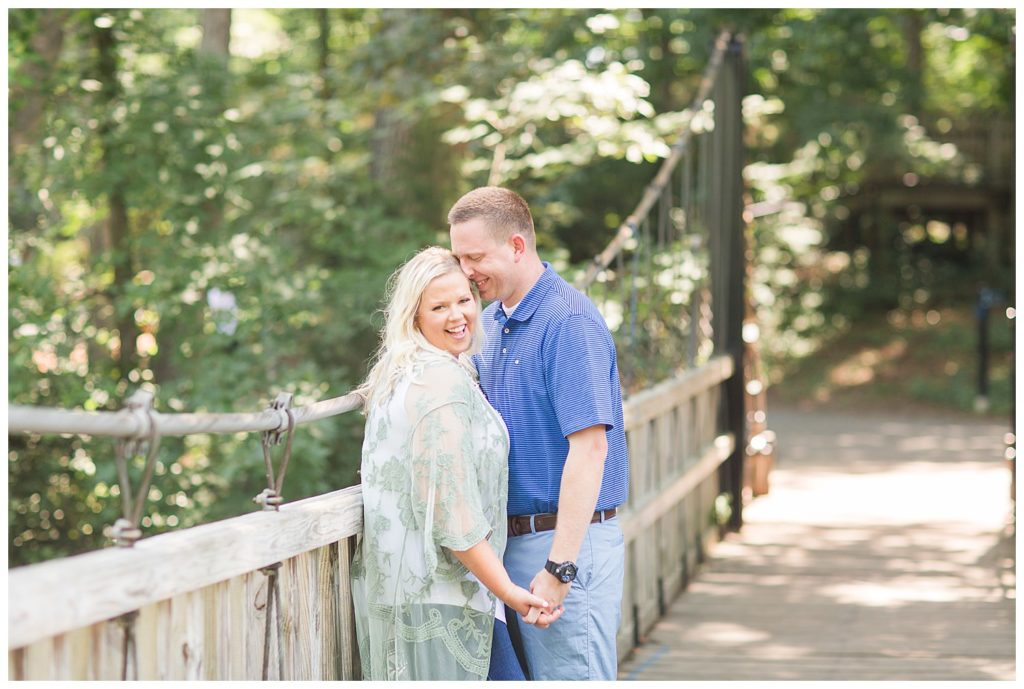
{"x": 118, "y": 232}
{"x": 29, "y": 91}
{"x": 324, "y": 52}
{"x": 216, "y": 33}
{"x": 390, "y": 137}
{"x": 216, "y": 45}
{"x": 913, "y": 25}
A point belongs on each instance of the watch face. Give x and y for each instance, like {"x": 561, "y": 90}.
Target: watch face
{"x": 568, "y": 572}
{"x": 565, "y": 572}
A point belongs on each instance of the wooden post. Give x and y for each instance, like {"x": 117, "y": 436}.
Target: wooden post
{"x": 725, "y": 222}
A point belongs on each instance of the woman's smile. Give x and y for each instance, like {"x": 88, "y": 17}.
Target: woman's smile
{"x": 448, "y": 313}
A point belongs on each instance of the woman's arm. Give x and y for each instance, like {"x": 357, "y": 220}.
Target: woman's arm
{"x": 482, "y": 561}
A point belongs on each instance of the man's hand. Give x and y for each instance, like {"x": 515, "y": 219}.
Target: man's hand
{"x": 546, "y": 586}
{"x": 523, "y": 602}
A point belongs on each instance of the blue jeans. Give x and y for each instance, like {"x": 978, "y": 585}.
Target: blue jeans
{"x": 581, "y": 644}
{"x": 504, "y": 663}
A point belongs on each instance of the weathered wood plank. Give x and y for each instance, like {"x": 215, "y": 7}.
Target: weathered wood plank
{"x": 37, "y": 662}
{"x": 177, "y": 639}
{"x": 636, "y": 520}
{"x": 299, "y": 616}
{"x": 663, "y": 443}
{"x": 61, "y": 663}
{"x": 216, "y": 631}
{"x": 238, "y": 638}
{"x": 16, "y": 664}
{"x": 671, "y": 528}
{"x": 256, "y": 591}
{"x": 146, "y": 642}
{"x": 196, "y": 655}
{"x": 626, "y": 637}
{"x": 330, "y": 624}
{"x": 710, "y": 531}
{"x": 348, "y": 657}
{"x": 636, "y": 441}
{"x": 162, "y": 639}
{"x": 108, "y": 650}
{"x": 657, "y": 400}
{"x": 646, "y": 582}
{"x": 114, "y": 581}
{"x": 78, "y": 650}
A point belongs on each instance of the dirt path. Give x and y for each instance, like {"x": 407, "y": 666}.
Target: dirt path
{"x": 882, "y": 552}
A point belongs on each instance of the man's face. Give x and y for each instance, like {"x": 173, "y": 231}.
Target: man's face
{"x": 492, "y": 265}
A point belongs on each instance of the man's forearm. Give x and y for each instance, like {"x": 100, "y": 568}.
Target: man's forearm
{"x": 578, "y": 493}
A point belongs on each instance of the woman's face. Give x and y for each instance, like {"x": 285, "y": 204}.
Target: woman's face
{"x": 448, "y": 313}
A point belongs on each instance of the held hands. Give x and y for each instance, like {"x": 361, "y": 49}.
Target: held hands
{"x": 550, "y": 590}
{"x": 527, "y": 604}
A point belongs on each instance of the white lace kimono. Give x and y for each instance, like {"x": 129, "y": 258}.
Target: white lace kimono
{"x": 435, "y": 479}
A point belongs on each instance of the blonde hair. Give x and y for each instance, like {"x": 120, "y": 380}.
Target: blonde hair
{"x": 400, "y": 338}
{"x": 504, "y": 211}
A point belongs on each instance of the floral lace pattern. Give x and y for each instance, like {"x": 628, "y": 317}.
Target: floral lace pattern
{"x": 435, "y": 479}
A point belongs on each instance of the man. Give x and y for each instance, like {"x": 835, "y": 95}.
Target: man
{"x": 548, "y": 366}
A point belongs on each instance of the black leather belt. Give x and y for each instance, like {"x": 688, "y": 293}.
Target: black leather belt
{"x": 535, "y": 523}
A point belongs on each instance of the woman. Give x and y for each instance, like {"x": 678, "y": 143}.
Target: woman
{"x": 428, "y": 582}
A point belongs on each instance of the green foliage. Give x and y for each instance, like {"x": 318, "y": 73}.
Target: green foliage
{"x": 268, "y": 198}
{"x": 921, "y": 358}
{"x": 233, "y": 187}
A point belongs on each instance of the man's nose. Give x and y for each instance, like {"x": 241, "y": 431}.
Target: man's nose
{"x": 466, "y": 270}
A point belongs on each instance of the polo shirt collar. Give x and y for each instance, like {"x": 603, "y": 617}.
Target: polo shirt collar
{"x": 532, "y": 300}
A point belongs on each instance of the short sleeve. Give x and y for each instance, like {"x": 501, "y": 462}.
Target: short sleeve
{"x": 446, "y": 500}
{"x": 578, "y": 356}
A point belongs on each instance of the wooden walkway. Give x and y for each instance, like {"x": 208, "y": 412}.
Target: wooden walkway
{"x": 884, "y": 551}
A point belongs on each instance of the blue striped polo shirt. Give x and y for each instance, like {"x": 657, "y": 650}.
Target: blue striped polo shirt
{"x": 550, "y": 370}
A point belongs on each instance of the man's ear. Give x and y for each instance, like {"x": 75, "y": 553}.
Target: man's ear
{"x": 518, "y": 246}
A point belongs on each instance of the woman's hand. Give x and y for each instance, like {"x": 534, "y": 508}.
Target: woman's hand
{"x": 522, "y": 601}
{"x": 542, "y": 618}
{"x": 483, "y": 562}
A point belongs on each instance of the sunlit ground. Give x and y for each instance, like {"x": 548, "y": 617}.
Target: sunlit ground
{"x": 883, "y": 551}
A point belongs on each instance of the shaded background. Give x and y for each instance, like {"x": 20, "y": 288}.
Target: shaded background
{"x": 207, "y": 203}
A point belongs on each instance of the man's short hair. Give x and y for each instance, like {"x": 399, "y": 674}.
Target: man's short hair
{"x": 505, "y": 212}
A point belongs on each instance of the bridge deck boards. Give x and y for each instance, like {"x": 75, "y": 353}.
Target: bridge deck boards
{"x": 882, "y": 552}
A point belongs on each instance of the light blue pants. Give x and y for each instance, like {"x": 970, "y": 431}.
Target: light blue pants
{"x": 581, "y": 644}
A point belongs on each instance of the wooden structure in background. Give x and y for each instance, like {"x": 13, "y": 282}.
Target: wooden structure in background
{"x": 192, "y": 604}
{"x": 982, "y": 200}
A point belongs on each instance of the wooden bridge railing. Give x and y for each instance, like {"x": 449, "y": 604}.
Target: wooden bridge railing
{"x": 676, "y": 448}
{"x": 193, "y": 604}
{"x": 267, "y": 595}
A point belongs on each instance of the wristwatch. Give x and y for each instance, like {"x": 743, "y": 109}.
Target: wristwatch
{"x": 565, "y": 572}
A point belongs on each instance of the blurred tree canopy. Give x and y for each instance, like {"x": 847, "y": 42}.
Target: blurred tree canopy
{"x": 207, "y": 203}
